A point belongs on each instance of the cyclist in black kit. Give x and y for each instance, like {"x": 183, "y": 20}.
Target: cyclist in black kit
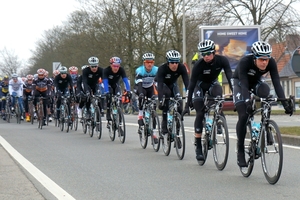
{"x": 111, "y": 77}
{"x": 63, "y": 85}
{"x": 80, "y": 94}
{"x": 204, "y": 78}
{"x": 90, "y": 77}
{"x": 166, "y": 78}
{"x": 246, "y": 77}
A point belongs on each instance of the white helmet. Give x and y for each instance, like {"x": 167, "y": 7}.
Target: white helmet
{"x": 63, "y": 70}
{"x": 206, "y": 45}
{"x": 173, "y": 56}
{"x": 148, "y": 56}
{"x": 14, "y": 76}
{"x": 93, "y": 61}
{"x": 260, "y": 48}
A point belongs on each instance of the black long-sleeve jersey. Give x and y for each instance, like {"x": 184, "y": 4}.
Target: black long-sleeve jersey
{"x": 63, "y": 84}
{"x": 90, "y": 79}
{"x": 166, "y": 76}
{"x": 248, "y": 75}
{"x": 209, "y": 72}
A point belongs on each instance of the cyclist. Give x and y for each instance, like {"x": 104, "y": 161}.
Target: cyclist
{"x": 15, "y": 89}
{"x": 3, "y": 94}
{"x": 27, "y": 92}
{"x": 63, "y": 85}
{"x": 144, "y": 82}
{"x": 80, "y": 94}
{"x": 166, "y": 77}
{"x": 42, "y": 88}
{"x": 73, "y": 71}
{"x": 90, "y": 77}
{"x": 204, "y": 78}
{"x": 111, "y": 77}
{"x": 247, "y": 76}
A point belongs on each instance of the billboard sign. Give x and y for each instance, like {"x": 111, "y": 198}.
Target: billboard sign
{"x": 231, "y": 41}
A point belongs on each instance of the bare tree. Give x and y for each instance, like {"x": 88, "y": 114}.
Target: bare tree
{"x": 277, "y": 17}
{"x": 9, "y": 62}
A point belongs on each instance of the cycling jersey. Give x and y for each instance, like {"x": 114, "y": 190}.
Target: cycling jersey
{"x": 111, "y": 79}
{"x": 63, "y": 84}
{"x": 90, "y": 79}
{"x": 16, "y": 87}
{"x": 144, "y": 77}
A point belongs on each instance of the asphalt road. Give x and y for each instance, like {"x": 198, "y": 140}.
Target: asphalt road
{"x": 88, "y": 168}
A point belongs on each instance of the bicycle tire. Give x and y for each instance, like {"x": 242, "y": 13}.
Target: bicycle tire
{"x": 179, "y": 138}
{"x": 154, "y": 128}
{"x": 112, "y": 126}
{"x": 121, "y": 126}
{"x": 75, "y": 121}
{"x": 220, "y": 139}
{"x": 31, "y": 112}
{"x": 41, "y": 115}
{"x": 62, "y": 117}
{"x": 205, "y": 144}
{"x": 249, "y": 152}
{"x": 7, "y": 112}
{"x": 166, "y": 143}
{"x": 83, "y": 120}
{"x": 268, "y": 150}
{"x": 98, "y": 123}
{"x": 91, "y": 123}
{"x": 67, "y": 118}
{"x": 143, "y": 135}
{"x": 18, "y": 112}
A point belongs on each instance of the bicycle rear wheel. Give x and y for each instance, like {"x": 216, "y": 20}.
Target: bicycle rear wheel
{"x": 154, "y": 131}
{"x": 180, "y": 137}
{"x": 205, "y": 140}
{"x": 249, "y": 153}
{"x": 121, "y": 126}
{"x": 220, "y": 140}
{"x": 271, "y": 152}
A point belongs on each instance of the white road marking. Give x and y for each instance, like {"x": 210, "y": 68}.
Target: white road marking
{"x": 50, "y": 185}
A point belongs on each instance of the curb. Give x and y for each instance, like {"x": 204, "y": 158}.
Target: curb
{"x": 291, "y": 140}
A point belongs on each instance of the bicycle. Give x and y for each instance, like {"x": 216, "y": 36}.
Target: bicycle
{"x": 96, "y": 122}
{"x": 216, "y": 134}
{"x": 17, "y": 108}
{"x": 175, "y": 127}
{"x": 40, "y": 111}
{"x": 118, "y": 120}
{"x": 73, "y": 114}
{"x": 264, "y": 141}
{"x": 64, "y": 118}
{"x": 151, "y": 124}
{"x": 31, "y": 109}
{"x": 8, "y": 113}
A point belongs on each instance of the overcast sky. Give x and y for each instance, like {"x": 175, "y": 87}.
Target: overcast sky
{"x": 22, "y": 22}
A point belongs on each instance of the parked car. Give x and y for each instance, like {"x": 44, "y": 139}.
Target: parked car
{"x": 228, "y": 104}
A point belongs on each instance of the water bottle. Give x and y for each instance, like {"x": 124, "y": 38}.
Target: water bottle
{"x": 92, "y": 109}
{"x": 147, "y": 114}
{"x": 170, "y": 119}
{"x": 208, "y": 124}
{"x": 255, "y": 129}
{"x": 115, "y": 111}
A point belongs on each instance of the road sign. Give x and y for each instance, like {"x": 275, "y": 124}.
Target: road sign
{"x": 56, "y": 65}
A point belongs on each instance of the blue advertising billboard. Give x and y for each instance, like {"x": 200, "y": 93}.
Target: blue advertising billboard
{"x": 233, "y": 41}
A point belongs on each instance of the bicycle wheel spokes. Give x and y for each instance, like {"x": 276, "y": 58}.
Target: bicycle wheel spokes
{"x": 271, "y": 152}
{"x": 154, "y": 129}
{"x": 179, "y": 137}
{"x": 220, "y": 143}
{"x": 121, "y": 126}
{"x": 249, "y": 153}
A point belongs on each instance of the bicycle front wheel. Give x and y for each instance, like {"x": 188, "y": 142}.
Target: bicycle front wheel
{"x": 98, "y": 123}
{"x": 271, "y": 152}
{"x": 154, "y": 129}
{"x": 180, "y": 137}
{"x": 18, "y": 113}
{"x": 7, "y": 112}
{"x": 66, "y": 118}
{"x": 111, "y": 125}
{"x": 121, "y": 126}
{"x": 220, "y": 140}
{"x": 143, "y": 135}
